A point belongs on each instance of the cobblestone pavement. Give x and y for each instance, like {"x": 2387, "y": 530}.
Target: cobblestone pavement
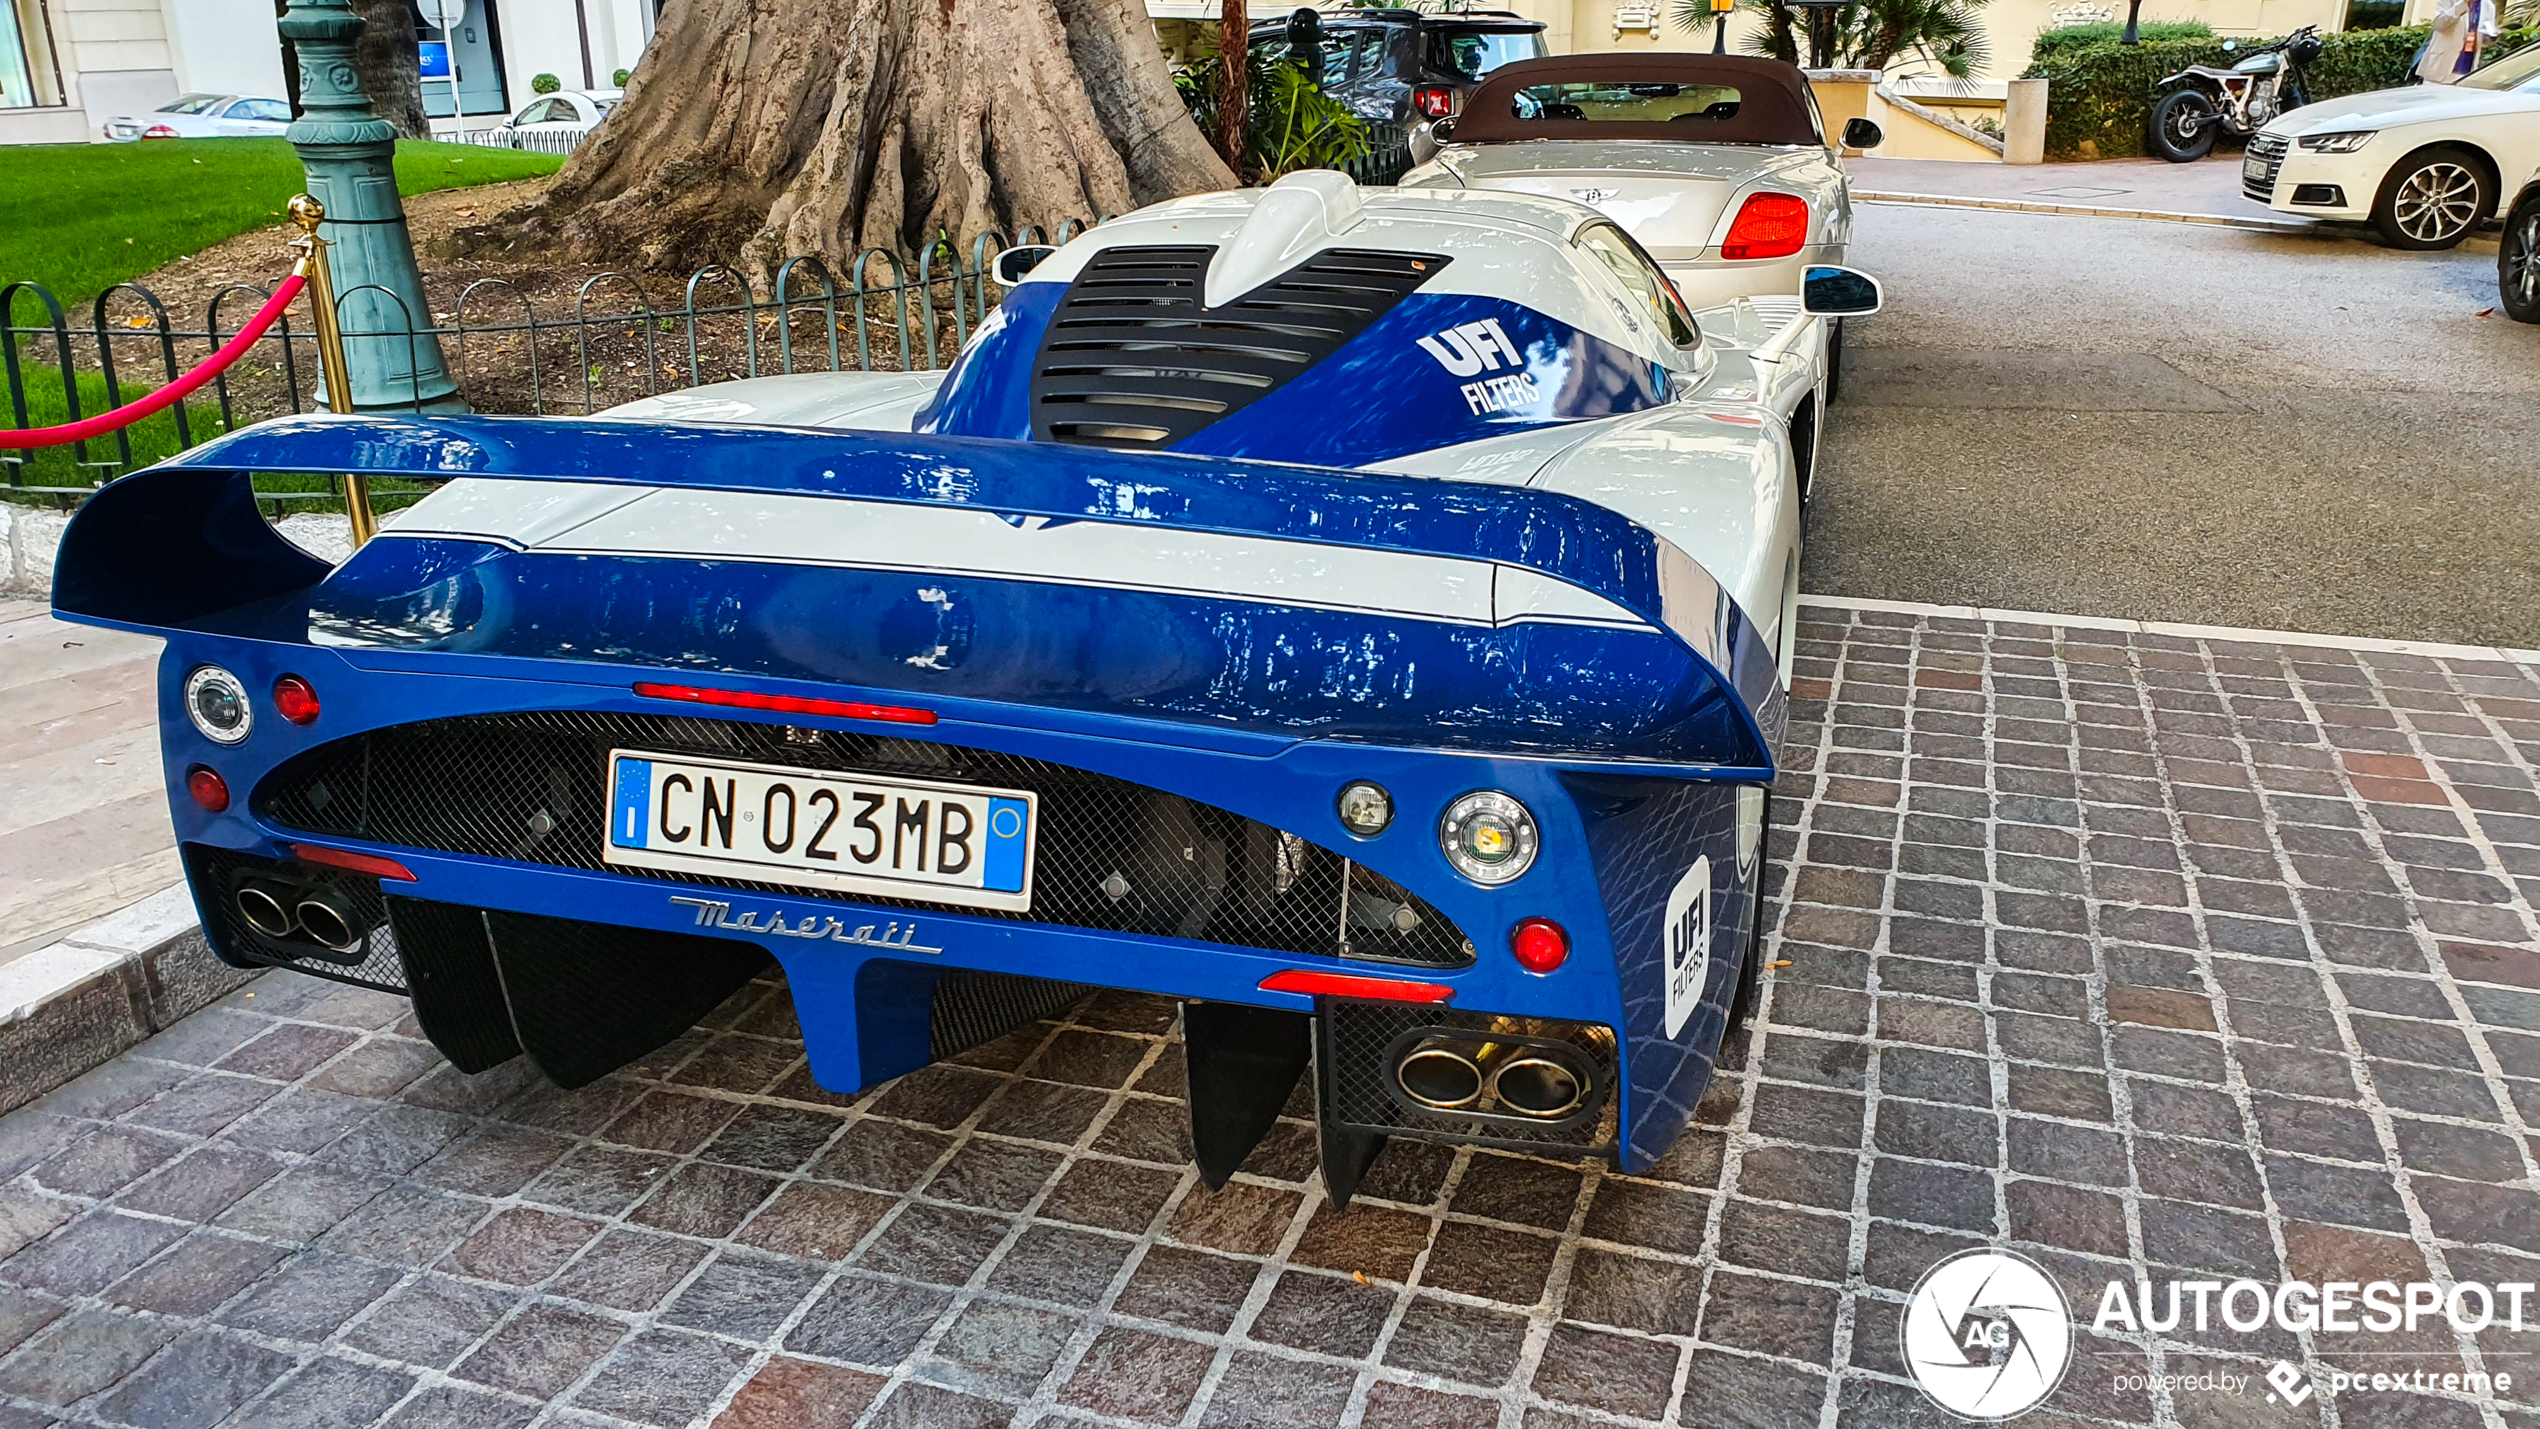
{"x": 2115, "y": 948}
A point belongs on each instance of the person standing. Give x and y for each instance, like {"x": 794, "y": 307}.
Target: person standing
{"x": 2451, "y": 48}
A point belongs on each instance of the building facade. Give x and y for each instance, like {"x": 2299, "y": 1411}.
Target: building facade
{"x": 66, "y": 66}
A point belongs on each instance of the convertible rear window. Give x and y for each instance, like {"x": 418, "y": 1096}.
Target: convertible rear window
{"x": 1629, "y": 103}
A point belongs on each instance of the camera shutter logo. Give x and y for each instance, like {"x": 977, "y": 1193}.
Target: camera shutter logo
{"x": 1987, "y": 1335}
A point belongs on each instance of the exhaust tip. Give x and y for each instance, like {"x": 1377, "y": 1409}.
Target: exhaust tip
{"x": 1440, "y": 1078}
{"x": 264, "y": 912}
{"x": 1538, "y": 1086}
{"x": 328, "y": 925}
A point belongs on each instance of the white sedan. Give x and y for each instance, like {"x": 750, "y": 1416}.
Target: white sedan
{"x": 2425, "y": 164}
{"x": 203, "y": 116}
{"x": 554, "y": 122}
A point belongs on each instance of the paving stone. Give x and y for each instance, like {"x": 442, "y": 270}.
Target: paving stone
{"x": 1328, "y": 1314}
{"x": 541, "y": 1351}
{"x": 662, "y": 1377}
{"x": 2047, "y": 970}
{"x": 330, "y": 1392}
{"x": 196, "y": 1382}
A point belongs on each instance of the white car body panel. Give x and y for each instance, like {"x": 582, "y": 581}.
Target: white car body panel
{"x": 2503, "y": 125}
{"x": 1712, "y": 470}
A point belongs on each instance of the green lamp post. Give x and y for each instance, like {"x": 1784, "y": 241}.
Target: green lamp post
{"x": 350, "y": 154}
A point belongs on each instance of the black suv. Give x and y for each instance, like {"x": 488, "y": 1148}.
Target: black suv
{"x": 1405, "y": 67}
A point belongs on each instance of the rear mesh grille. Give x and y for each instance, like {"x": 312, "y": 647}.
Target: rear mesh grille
{"x": 1133, "y": 358}
{"x": 1111, "y": 855}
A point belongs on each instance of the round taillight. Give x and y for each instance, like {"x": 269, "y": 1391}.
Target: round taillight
{"x": 295, "y": 699}
{"x": 209, "y": 789}
{"x": 1539, "y": 945}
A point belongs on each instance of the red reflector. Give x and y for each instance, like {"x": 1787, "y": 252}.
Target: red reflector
{"x": 209, "y": 789}
{"x": 785, "y": 704}
{"x": 1539, "y": 945}
{"x": 1380, "y": 989}
{"x": 1433, "y": 101}
{"x": 1767, "y": 226}
{"x": 295, "y": 699}
{"x": 369, "y": 863}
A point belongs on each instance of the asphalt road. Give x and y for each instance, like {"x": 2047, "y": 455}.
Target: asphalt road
{"x": 2180, "y": 422}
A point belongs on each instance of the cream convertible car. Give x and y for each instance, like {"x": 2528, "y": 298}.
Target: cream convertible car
{"x": 1717, "y": 165}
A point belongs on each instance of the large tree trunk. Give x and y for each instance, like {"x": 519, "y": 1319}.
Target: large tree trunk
{"x": 768, "y": 128}
{"x": 389, "y": 66}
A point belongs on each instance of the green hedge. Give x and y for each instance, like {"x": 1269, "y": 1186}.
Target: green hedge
{"x": 2099, "y": 98}
{"x": 2055, "y": 44}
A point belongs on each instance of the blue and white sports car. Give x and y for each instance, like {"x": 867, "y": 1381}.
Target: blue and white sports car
{"x": 1362, "y": 617}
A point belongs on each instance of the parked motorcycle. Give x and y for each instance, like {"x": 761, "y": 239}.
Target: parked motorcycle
{"x": 2239, "y": 101}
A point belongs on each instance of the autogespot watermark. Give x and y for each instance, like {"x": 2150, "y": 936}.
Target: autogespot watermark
{"x": 1988, "y": 1334}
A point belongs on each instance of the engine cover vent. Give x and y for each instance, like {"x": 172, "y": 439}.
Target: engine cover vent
{"x": 1135, "y": 358}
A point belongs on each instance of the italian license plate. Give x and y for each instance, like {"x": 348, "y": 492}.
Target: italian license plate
{"x": 899, "y": 838}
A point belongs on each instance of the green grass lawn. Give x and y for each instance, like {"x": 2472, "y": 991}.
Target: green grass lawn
{"x": 153, "y": 439}
{"x": 80, "y": 218}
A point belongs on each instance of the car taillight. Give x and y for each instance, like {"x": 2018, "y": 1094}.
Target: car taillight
{"x": 207, "y": 789}
{"x": 158, "y": 131}
{"x": 295, "y": 699}
{"x": 1434, "y": 101}
{"x": 1539, "y": 945}
{"x": 1767, "y": 226}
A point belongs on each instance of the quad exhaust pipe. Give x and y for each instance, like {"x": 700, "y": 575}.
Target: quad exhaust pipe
{"x": 286, "y": 912}
{"x": 1524, "y": 1078}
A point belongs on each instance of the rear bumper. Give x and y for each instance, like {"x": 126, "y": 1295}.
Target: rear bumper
{"x": 1618, "y": 846}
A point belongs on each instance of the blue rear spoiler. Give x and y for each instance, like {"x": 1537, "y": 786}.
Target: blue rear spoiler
{"x": 180, "y": 543}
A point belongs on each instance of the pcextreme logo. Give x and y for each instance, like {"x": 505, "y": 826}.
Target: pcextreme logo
{"x": 1987, "y": 1335}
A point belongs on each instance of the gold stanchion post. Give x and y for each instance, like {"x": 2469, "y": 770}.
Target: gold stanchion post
{"x": 309, "y": 213}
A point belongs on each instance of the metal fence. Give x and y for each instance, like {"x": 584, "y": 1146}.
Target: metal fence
{"x": 536, "y": 141}
{"x": 621, "y": 336}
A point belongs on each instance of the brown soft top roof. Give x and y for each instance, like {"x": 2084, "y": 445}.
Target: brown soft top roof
{"x": 1772, "y": 100}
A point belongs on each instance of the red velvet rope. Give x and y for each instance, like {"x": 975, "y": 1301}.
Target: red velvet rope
{"x": 170, "y": 395}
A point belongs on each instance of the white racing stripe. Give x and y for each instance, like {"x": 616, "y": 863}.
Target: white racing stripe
{"x": 777, "y": 528}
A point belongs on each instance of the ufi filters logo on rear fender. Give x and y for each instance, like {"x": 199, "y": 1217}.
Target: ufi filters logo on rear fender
{"x": 1471, "y": 349}
{"x": 1688, "y": 943}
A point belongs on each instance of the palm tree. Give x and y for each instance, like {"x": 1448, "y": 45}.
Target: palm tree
{"x": 1868, "y": 34}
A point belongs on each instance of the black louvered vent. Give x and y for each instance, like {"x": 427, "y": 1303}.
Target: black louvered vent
{"x": 1133, "y": 358}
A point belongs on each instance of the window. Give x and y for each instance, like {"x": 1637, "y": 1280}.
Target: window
{"x": 1630, "y": 103}
{"x": 1647, "y": 282}
{"x": 273, "y": 109}
{"x": 1475, "y": 53}
{"x": 193, "y": 104}
{"x": 2517, "y": 71}
{"x": 26, "y": 57}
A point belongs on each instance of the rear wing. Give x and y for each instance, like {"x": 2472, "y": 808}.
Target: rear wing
{"x": 181, "y": 544}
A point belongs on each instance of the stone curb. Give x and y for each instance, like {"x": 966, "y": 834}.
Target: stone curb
{"x": 2083, "y": 210}
{"x": 2433, "y": 649}
{"x": 73, "y": 1006}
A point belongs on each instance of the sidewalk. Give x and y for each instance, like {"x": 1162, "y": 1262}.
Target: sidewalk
{"x": 2209, "y": 188}
{"x": 84, "y": 830}
{"x": 2144, "y": 953}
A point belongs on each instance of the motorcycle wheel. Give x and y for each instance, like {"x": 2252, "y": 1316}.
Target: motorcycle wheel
{"x": 2184, "y": 126}
{"x": 2432, "y": 199}
{"x": 2518, "y": 262}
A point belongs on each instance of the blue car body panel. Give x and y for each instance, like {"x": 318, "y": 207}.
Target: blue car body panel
{"x": 1635, "y": 715}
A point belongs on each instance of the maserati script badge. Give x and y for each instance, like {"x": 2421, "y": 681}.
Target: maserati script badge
{"x": 715, "y": 913}
{"x": 1593, "y": 197}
